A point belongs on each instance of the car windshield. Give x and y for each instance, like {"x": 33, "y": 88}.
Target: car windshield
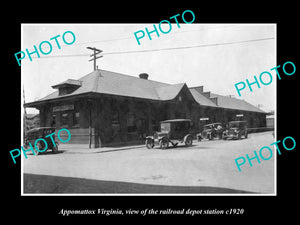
{"x": 207, "y": 127}
{"x": 165, "y": 127}
{"x": 235, "y": 124}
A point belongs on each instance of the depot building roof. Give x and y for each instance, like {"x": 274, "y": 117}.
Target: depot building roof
{"x": 112, "y": 83}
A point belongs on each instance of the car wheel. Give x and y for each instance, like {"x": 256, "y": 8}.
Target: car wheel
{"x": 199, "y": 138}
{"x": 149, "y": 143}
{"x": 39, "y": 146}
{"x": 189, "y": 141}
{"x": 163, "y": 143}
{"x": 239, "y": 136}
{"x": 54, "y": 149}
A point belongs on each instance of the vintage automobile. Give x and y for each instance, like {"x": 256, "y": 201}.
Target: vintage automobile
{"x": 236, "y": 129}
{"x": 41, "y": 132}
{"x": 211, "y": 131}
{"x": 171, "y": 131}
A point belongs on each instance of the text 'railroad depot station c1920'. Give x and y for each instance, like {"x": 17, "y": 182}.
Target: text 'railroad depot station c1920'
{"x": 105, "y": 108}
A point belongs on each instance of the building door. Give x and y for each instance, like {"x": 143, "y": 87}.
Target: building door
{"x": 141, "y": 127}
{"x": 203, "y": 121}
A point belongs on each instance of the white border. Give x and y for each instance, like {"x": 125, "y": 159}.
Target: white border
{"x": 158, "y": 194}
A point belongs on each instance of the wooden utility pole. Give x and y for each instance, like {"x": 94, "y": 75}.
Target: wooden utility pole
{"x": 90, "y": 114}
{"x": 96, "y": 51}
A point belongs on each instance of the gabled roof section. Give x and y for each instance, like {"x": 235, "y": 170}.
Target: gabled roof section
{"x": 215, "y": 100}
{"x": 201, "y": 99}
{"x": 169, "y": 92}
{"x": 67, "y": 86}
{"x": 234, "y": 103}
{"x": 125, "y": 85}
{"x": 107, "y": 82}
{"x": 112, "y": 83}
{"x": 69, "y": 82}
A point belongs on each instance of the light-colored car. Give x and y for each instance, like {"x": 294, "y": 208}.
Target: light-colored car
{"x": 171, "y": 131}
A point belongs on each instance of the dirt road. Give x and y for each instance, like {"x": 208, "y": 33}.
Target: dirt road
{"x": 205, "y": 164}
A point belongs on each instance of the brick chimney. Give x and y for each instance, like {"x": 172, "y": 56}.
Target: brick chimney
{"x": 144, "y": 76}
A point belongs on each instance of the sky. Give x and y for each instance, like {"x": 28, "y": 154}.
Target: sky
{"x": 216, "y": 66}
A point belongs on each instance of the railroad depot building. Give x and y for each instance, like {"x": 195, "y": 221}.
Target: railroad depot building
{"x": 106, "y": 108}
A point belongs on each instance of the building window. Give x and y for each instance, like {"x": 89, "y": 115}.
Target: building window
{"x": 53, "y": 122}
{"x": 115, "y": 123}
{"x": 76, "y": 118}
{"x": 155, "y": 125}
{"x": 64, "y": 120}
{"x": 131, "y": 127}
{"x": 115, "y": 118}
{"x": 141, "y": 127}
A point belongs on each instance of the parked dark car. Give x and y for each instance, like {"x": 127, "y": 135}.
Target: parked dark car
{"x": 41, "y": 132}
{"x": 236, "y": 129}
{"x": 171, "y": 131}
{"x": 211, "y": 131}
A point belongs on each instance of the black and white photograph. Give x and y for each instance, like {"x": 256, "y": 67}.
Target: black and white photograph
{"x": 146, "y": 111}
{"x": 172, "y": 108}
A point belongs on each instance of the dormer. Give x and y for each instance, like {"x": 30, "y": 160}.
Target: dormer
{"x": 67, "y": 86}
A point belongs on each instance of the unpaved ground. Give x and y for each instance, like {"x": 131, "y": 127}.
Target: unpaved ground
{"x": 205, "y": 164}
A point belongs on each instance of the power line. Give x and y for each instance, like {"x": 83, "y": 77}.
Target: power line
{"x": 165, "y": 49}
{"x": 187, "y": 47}
{"x": 126, "y": 38}
{"x": 178, "y": 32}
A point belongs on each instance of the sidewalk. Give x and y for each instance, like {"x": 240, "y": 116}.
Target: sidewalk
{"x": 84, "y": 148}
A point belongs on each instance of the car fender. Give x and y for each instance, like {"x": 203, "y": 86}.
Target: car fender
{"x": 186, "y": 136}
{"x": 163, "y": 137}
{"x": 149, "y": 137}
